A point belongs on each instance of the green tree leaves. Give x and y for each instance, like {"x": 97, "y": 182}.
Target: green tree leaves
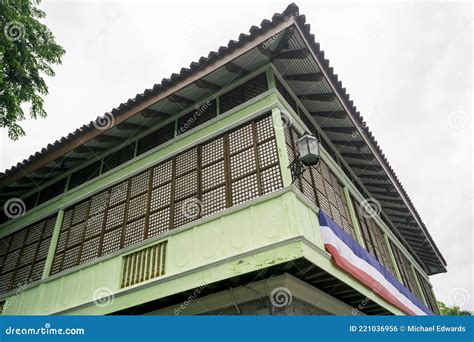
{"x": 27, "y": 51}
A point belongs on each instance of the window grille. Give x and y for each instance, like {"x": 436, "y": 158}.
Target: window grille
{"x": 373, "y": 237}
{"x": 118, "y": 157}
{"x": 52, "y": 191}
{"x": 23, "y": 254}
{"x": 198, "y": 116}
{"x": 243, "y": 93}
{"x": 156, "y": 138}
{"x": 428, "y": 293}
{"x": 406, "y": 272}
{"x": 320, "y": 185}
{"x": 83, "y": 175}
{"x": 228, "y": 170}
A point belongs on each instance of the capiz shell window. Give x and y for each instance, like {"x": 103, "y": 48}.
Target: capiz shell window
{"x": 228, "y": 170}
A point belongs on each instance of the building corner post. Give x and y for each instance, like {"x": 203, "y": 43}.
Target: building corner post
{"x": 53, "y": 244}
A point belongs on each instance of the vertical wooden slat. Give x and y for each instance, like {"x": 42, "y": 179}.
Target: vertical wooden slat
{"x": 143, "y": 265}
{"x": 257, "y": 163}
{"x": 228, "y": 182}
{"x": 163, "y": 259}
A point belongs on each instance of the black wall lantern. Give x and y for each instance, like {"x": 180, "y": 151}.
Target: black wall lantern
{"x": 307, "y": 155}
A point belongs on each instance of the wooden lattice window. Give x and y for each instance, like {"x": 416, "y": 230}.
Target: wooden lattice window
{"x": 428, "y": 293}
{"x": 321, "y": 186}
{"x": 406, "y": 271}
{"x": 229, "y": 170}
{"x": 156, "y": 138}
{"x": 243, "y": 93}
{"x": 85, "y": 174}
{"x": 198, "y": 116}
{"x": 373, "y": 237}
{"x": 23, "y": 254}
{"x": 52, "y": 191}
{"x": 118, "y": 157}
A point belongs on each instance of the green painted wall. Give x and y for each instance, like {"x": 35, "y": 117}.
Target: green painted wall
{"x": 273, "y": 229}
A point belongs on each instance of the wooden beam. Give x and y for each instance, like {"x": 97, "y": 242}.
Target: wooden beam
{"x": 373, "y": 177}
{"x": 234, "y": 68}
{"x": 89, "y": 149}
{"x": 397, "y": 209}
{"x": 309, "y": 77}
{"x": 342, "y": 130}
{"x": 283, "y": 44}
{"x": 330, "y": 115}
{"x": 130, "y": 126}
{"x": 67, "y": 159}
{"x": 203, "y": 84}
{"x": 365, "y": 167}
{"x": 385, "y": 193}
{"x": 378, "y": 185}
{"x": 357, "y": 143}
{"x": 181, "y": 100}
{"x": 324, "y": 97}
{"x": 108, "y": 138}
{"x": 148, "y": 113}
{"x": 362, "y": 156}
{"x": 12, "y": 189}
{"x": 293, "y": 54}
{"x": 48, "y": 169}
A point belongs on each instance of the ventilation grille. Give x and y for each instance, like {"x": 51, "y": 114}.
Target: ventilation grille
{"x": 143, "y": 265}
{"x": 243, "y": 93}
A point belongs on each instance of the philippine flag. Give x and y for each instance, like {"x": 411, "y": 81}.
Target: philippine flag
{"x": 355, "y": 260}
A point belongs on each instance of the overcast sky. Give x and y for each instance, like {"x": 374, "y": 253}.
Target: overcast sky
{"x": 408, "y": 68}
